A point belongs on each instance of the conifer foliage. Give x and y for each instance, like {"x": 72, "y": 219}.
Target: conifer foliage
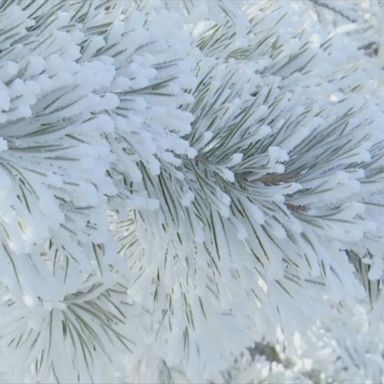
{"x": 190, "y": 191}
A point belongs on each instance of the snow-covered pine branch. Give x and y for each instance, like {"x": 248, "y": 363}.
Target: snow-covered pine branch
{"x": 180, "y": 181}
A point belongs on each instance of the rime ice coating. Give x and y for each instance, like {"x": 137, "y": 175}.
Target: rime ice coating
{"x": 180, "y": 180}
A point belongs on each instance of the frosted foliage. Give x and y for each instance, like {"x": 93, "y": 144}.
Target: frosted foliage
{"x": 360, "y": 20}
{"x": 190, "y": 191}
{"x": 339, "y": 350}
